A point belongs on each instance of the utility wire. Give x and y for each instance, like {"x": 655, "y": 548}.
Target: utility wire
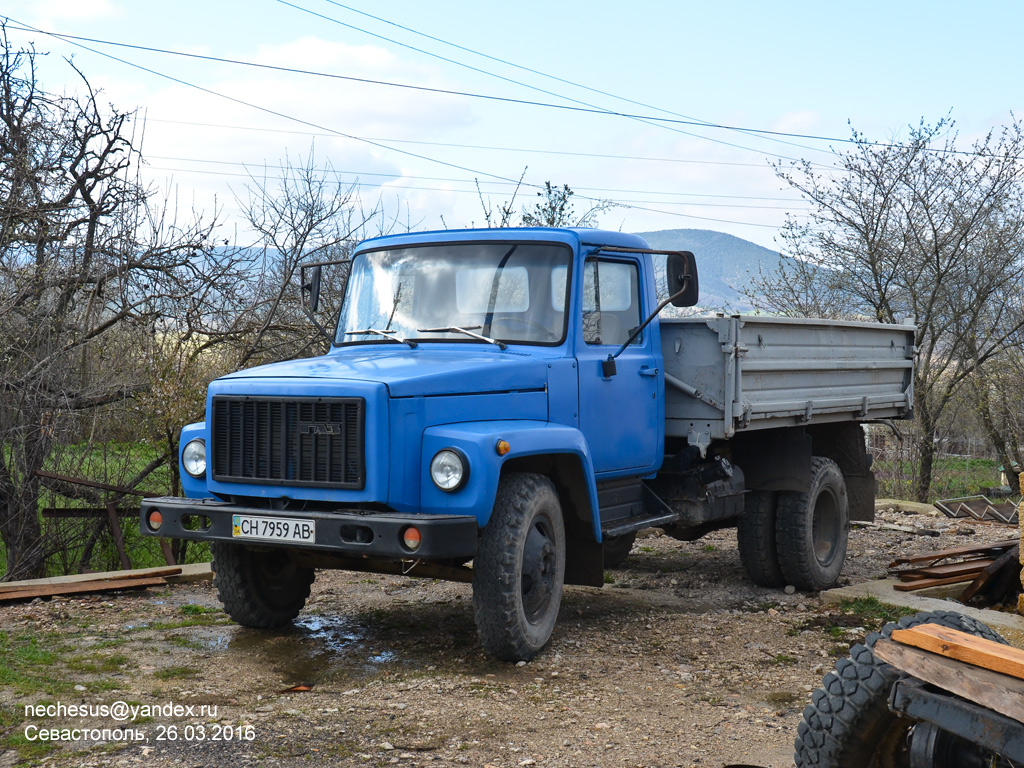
{"x": 410, "y": 177}
{"x": 526, "y": 150}
{"x": 586, "y": 106}
{"x": 378, "y": 185}
{"x": 301, "y": 121}
{"x": 588, "y": 109}
{"x": 696, "y": 120}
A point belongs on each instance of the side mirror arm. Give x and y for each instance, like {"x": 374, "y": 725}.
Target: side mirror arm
{"x": 608, "y": 368}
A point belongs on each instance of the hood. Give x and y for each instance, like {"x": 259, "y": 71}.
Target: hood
{"x": 425, "y": 370}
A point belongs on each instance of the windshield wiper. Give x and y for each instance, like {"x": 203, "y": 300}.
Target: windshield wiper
{"x": 390, "y": 335}
{"x": 465, "y": 332}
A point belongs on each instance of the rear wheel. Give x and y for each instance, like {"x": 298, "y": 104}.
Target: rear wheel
{"x": 848, "y": 723}
{"x": 755, "y": 537}
{"x": 617, "y": 549}
{"x": 811, "y": 529}
{"x": 519, "y": 569}
{"x": 260, "y": 588}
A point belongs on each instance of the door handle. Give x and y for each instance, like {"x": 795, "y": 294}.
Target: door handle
{"x": 645, "y": 371}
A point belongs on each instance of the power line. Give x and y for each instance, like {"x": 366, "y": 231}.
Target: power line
{"x": 266, "y": 110}
{"x": 526, "y": 150}
{"x": 474, "y": 191}
{"x": 361, "y": 174}
{"x": 588, "y": 109}
{"x": 336, "y": 132}
{"x": 697, "y": 121}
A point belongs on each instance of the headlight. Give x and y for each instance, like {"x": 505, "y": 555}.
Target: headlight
{"x": 448, "y": 470}
{"x": 193, "y": 458}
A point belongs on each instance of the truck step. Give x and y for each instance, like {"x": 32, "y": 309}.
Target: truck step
{"x": 631, "y": 524}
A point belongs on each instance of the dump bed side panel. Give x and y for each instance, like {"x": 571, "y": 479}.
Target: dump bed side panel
{"x": 726, "y": 374}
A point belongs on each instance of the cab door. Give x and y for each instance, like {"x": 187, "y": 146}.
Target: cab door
{"x": 620, "y": 414}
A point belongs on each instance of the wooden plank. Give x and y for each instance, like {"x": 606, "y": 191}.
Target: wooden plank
{"x": 952, "y": 569}
{"x": 80, "y": 588}
{"x": 15, "y": 586}
{"x": 982, "y": 686}
{"x": 962, "y": 646}
{"x": 1009, "y": 559}
{"x": 926, "y": 583}
{"x": 934, "y": 557}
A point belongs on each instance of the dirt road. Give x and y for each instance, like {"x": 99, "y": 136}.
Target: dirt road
{"x": 679, "y": 661}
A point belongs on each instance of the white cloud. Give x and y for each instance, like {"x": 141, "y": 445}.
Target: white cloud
{"x": 49, "y": 14}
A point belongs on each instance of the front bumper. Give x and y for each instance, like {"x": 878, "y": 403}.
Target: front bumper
{"x": 351, "y": 532}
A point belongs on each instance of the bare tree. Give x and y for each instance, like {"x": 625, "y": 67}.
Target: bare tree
{"x": 89, "y": 269}
{"x": 555, "y": 209}
{"x": 915, "y": 230}
{"x": 309, "y": 215}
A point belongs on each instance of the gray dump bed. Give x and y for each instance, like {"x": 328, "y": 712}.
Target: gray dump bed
{"x": 730, "y": 374}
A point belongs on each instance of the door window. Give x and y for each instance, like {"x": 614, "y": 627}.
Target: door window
{"x": 611, "y": 302}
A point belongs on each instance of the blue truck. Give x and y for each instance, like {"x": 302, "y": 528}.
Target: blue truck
{"x": 507, "y": 407}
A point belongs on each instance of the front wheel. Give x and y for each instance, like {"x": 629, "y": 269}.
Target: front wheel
{"x": 260, "y": 588}
{"x": 519, "y": 569}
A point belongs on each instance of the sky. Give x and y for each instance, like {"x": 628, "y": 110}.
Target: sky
{"x": 666, "y": 68}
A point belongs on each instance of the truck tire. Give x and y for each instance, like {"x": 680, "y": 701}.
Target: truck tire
{"x": 755, "y": 537}
{"x": 520, "y": 568}
{"x": 617, "y": 549}
{"x": 260, "y": 588}
{"x": 848, "y": 723}
{"x": 811, "y": 529}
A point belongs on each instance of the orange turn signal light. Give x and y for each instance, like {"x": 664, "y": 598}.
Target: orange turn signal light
{"x": 411, "y": 538}
{"x": 155, "y": 520}
{"x": 502, "y": 447}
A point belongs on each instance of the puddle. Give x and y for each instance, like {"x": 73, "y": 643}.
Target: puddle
{"x": 313, "y": 650}
{"x": 785, "y": 699}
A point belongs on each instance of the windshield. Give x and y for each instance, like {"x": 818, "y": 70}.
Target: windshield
{"x": 514, "y": 293}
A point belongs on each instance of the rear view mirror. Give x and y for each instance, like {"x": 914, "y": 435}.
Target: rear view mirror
{"x": 310, "y": 276}
{"x": 311, "y": 286}
{"x": 681, "y": 275}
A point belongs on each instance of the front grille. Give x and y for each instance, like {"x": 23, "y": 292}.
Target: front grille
{"x": 289, "y": 441}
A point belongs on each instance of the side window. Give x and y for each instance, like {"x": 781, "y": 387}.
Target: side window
{"x": 611, "y": 302}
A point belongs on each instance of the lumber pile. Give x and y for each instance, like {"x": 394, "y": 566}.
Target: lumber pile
{"x": 984, "y": 672}
{"x": 19, "y": 591}
{"x": 993, "y": 571}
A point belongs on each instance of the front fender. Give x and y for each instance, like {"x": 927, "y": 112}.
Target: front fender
{"x": 193, "y": 488}
{"x": 478, "y": 442}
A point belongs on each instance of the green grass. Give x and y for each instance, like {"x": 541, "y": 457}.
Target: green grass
{"x": 175, "y": 673}
{"x": 874, "y": 611}
{"x": 952, "y": 477}
{"x": 197, "y": 610}
{"x": 27, "y": 662}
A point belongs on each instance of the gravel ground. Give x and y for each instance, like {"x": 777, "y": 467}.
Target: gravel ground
{"x": 678, "y": 661}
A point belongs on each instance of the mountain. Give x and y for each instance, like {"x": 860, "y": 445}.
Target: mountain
{"x": 725, "y": 263}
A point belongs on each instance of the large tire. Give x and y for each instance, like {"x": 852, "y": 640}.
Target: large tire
{"x": 811, "y": 529}
{"x": 848, "y": 723}
{"x": 260, "y": 588}
{"x": 519, "y": 569}
{"x": 617, "y": 549}
{"x": 755, "y": 537}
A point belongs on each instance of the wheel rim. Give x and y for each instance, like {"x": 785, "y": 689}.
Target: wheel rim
{"x": 824, "y": 528}
{"x": 539, "y": 566}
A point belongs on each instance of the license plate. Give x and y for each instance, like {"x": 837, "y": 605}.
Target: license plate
{"x": 273, "y": 528}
